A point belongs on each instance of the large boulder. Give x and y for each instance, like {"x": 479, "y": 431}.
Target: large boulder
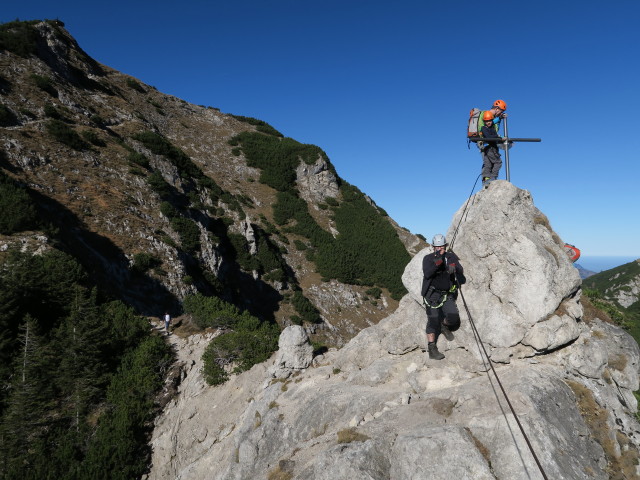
{"x": 294, "y": 351}
{"x": 516, "y": 270}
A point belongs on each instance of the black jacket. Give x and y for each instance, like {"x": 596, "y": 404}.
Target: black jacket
{"x": 489, "y": 132}
{"x": 435, "y": 271}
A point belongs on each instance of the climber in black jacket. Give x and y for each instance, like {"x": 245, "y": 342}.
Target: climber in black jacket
{"x": 442, "y": 276}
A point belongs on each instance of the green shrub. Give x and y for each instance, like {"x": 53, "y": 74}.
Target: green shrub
{"x": 20, "y": 38}
{"x": 188, "y": 232}
{"x": 93, "y": 138}
{"x": 138, "y": 159}
{"x": 7, "y": 117}
{"x": 250, "y": 342}
{"x": 212, "y": 312}
{"x": 143, "y": 262}
{"x": 44, "y": 83}
{"x": 161, "y": 146}
{"x": 158, "y": 184}
{"x": 305, "y": 308}
{"x": 231, "y": 201}
{"x": 98, "y": 121}
{"x": 300, "y": 245}
{"x": 194, "y": 200}
{"x": 18, "y": 209}
{"x": 65, "y": 134}
{"x": 168, "y": 210}
{"x": 262, "y": 126}
{"x": 131, "y": 83}
{"x": 51, "y": 111}
{"x": 27, "y": 113}
{"x": 241, "y": 252}
{"x": 374, "y": 292}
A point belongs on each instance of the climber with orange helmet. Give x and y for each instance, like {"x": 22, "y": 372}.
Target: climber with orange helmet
{"x": 491, "y": 160}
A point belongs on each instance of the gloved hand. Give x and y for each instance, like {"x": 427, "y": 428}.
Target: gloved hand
{"x": 439, "y": 261}
{"x": 451, "y": 269}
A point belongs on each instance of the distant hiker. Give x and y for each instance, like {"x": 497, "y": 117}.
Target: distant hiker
{"x": 167, "y": 322}
{"x": 491, "y": 160}
{"x": 490, "y": 167}
{"x": 442, "y": 276}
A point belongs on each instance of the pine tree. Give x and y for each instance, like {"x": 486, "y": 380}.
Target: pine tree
{"x": 83, "y": 340}
{"x": 30, "y": 399}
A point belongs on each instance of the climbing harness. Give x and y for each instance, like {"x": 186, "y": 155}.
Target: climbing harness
{"x": 483, "y": 350}
{"x": 442, "y": 301}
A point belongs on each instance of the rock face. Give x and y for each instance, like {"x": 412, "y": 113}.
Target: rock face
{"x": 379, "y": 409}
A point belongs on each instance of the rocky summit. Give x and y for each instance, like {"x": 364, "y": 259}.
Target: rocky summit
{"x": 378, "y": 408}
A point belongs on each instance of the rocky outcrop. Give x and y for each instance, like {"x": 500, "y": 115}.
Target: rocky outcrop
{"x": 316, "y": 181}
{"x": 379, "y": 409}
{"x": 294, "y": 352}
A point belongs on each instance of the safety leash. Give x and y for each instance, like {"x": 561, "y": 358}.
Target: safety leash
{"x": 483, "y": 349}
{"x": 453, "y": 238}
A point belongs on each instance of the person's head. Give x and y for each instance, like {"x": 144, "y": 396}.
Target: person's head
{"x": 487, "y": 117}
{"x": 499, "y": 107}
{"x": 439, "y": 243}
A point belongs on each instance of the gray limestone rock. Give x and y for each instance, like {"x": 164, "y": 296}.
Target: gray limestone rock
{"x": 434, "y": 453}
{"x": 294, "y": 351}
{"x": 378, "y": 408}
{"x": 316, "y": 182}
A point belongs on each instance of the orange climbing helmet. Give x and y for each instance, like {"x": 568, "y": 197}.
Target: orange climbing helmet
{"x": 501, "y": 104}
{"x": 487, "y": 115}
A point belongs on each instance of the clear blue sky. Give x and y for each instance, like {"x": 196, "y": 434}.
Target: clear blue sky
{"x": 385, "y": 89}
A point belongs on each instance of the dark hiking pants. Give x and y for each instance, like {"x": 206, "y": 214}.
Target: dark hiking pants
{"x": 491, "y": 162}
{"x": 448, "y": 312}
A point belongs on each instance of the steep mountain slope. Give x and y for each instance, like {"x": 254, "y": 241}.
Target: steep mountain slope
{"x": 160, "y": 199}
{"x": 378, "y": 408}
{"x": 620, "y": 284}
{"x": 620, "y": 288}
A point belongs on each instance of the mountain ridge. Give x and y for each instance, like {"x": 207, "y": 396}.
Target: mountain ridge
{"x": 140, "y": 170}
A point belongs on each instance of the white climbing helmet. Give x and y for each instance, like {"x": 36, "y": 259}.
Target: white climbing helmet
{"x": 439, "y": 240}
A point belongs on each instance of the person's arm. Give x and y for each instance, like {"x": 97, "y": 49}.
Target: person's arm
{"x": 431, "y": 264}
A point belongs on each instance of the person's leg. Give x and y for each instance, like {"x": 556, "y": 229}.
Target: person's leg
{"x": 496, "y": 163}
{"x": 486, "y": 164}
{"x": 451, "y": 314}
{"x": 434, "y": 326}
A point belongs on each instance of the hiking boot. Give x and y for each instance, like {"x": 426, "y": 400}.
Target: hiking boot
{"x": 446, "y": 332}
{"x": 434, "y": 353}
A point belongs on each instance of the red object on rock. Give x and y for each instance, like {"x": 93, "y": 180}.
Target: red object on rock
{"x": 572, "y": 251}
